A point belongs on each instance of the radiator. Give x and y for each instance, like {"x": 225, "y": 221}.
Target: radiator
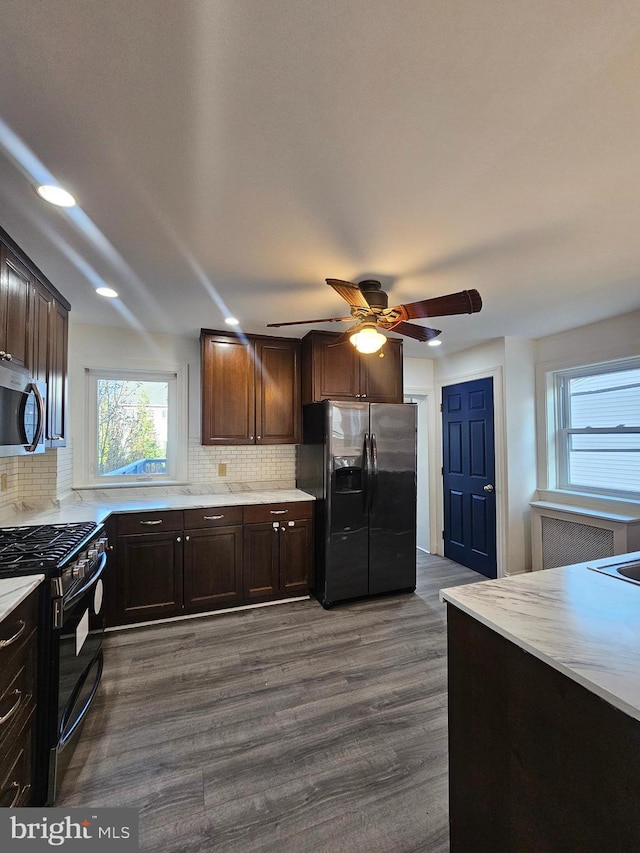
{"x": 563, "y": 535}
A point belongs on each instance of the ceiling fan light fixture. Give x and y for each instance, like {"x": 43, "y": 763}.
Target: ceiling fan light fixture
{"x": 434, "y": 343}
{"x": 368, "y": 340}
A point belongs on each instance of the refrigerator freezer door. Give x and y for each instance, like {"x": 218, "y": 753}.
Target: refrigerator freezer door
{"x": 392, "y": 543}
{"x": 347, "y": 543}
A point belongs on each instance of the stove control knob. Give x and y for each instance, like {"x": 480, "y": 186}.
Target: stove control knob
{"x": 92, "y": 553}
{"x": 81, "y": 568}
{"x": 103, "y": 544}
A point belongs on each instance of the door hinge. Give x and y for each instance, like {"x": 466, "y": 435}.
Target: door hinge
{"x": 441, "y": 408}
{"x": 443, "y": 534}
{"x": 442, "y": 469}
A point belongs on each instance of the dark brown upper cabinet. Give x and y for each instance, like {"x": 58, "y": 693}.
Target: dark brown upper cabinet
{"x": 250, "y": 389}
{"x": 333, "y": 371}
{"x": 34, "y": 320}
{"x": 16, "y": 286}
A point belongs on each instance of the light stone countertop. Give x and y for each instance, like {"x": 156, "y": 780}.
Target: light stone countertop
{"x": 102, "y": 504}
{"x": 14, "y": 590}
{"x": 581, "y": 622}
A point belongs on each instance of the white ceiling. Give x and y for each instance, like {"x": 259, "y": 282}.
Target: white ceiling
{"x": 232, "y": 154}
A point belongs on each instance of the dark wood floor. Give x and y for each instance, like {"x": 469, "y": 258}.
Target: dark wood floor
{"x": 286, "y": 728}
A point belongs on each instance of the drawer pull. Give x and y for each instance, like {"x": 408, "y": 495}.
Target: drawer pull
{"x": 14, "y": 786}
{"x": 159, "y": 521}
{"x": 13, "y": 709}
{"x": 213, "y": 517}
{"x": 19, "y": 632}
{"x": 278, "y": 511}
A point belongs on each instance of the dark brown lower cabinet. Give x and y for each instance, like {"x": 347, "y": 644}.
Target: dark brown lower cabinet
{"x": 278, "y": 551}
{"x": 213, "y": 568}
{"x": 537, "y": 762}
{"x": 149, "y": 576}
{"x": 205, "y": 559}
{"x": 18, "y": 685}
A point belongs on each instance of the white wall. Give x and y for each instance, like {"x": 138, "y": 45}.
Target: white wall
{"x": 614, "y": 338}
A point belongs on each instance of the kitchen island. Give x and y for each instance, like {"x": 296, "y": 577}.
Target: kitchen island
{"x": 544, "y": 712}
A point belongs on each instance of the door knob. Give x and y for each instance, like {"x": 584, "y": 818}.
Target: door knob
{"x": 488, "y": 488}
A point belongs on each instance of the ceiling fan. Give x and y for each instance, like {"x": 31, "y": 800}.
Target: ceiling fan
{"x": 370, "y": 311}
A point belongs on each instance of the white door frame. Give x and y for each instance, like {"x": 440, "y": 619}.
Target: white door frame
{"x": 437, "y": 543}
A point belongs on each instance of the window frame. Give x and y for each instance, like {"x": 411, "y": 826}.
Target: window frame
{"x": 176, "y": 426}
{"x": 560, "y": 451}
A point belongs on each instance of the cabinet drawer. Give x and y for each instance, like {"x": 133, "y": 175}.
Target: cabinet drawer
{"x": 277, "y": 512}
{"x": 15, "y": 769}
{"x": 17, "y": 698}
{"x": 219, "y": 516}
{"x": 15, "y": 630}
{"x": 149, "y": 522}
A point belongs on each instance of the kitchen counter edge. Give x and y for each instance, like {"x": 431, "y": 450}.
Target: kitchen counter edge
{"x": 13, "y": 591}
{"x": 581, "y": 622}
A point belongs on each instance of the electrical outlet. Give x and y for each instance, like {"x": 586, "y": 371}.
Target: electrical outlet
{"x": 222, "y": 469}
{"x": 4, "y": 483}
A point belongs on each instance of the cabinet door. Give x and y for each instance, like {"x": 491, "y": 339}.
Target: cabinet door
{"x": 228, "y": 390}
{"x": 57, "y": 384}
{"x": 296, "y": 558}
{"x": 330, "y": 372}
{"x": 149, "y": 576}
{"x": 278, "y": 406}
{"x": 41, "y": 306}
{"x": 260, "y": 563}
{"x": 381, "y": 374}
{"x": 16, "y": 284}
{"x": 212, "y": 568}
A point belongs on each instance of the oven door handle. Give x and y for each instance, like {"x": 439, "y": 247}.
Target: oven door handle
{"x": 69, "y": 602}
{"x": 66, "y": 734}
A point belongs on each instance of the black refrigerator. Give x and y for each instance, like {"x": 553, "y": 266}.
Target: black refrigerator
{"x": 359, "y": 462}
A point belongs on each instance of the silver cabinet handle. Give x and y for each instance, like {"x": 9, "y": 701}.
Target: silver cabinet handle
{"x": 179, "y": 539}
{"x": 278, "y": 511}
{"x": 18, "y": 790}
{"x": 186, "y": 539}
{"x": 212, "y": 517}
{"x": 16, "y": 636}
{"x": 152, "y": 522}
{"x": 488, "y": 487}
{"x": 13, "y": 709}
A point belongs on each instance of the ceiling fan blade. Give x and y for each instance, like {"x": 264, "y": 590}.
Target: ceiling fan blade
{"x": 349, "y": 291}
{"x": 306, "y": 322}
{"x": 464, "y": 302}
{"x": 420, "y": 333}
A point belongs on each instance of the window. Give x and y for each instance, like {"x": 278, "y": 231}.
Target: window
{"x": 135, "y": 427}
{"x": 598, "y": 428}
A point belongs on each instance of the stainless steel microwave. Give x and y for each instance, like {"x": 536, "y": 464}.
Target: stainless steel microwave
{"x": 22, "y": 413}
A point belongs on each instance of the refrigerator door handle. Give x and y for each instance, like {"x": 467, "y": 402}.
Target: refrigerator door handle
{"x": 374, "y": 468}
{"x": 367, "y": 472}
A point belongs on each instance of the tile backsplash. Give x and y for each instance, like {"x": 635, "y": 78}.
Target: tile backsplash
{"x": 48, "y": 477}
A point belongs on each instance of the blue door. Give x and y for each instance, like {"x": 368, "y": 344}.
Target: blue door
{"x": 469, "y": 475}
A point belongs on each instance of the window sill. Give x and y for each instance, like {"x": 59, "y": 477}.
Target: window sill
{"x": 601, "y": 504}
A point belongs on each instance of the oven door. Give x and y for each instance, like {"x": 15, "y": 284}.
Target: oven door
{"x": 80, "y": 668}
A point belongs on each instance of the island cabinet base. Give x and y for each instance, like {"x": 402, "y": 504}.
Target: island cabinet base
{"x": 536, "y": 761}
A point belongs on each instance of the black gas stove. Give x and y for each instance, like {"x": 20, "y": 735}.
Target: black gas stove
{"x": 66, "y": 552}
{"x": 72, "y": 557}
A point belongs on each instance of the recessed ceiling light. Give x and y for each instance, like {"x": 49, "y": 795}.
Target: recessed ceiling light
{"x": 56, "y": 195}
{"x": 231, "y": 321}
{"x": 109, "y": 292}
{"x": 434, "y": 343}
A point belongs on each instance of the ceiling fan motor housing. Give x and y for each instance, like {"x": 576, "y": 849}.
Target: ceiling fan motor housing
{"x": 374, "y": 294}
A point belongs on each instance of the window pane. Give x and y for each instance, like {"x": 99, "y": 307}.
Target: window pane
{"x": 607, "y": 462}
{"x": 605, "y": 400}
{"x": 132, "y": 427}
{"x": 619, "y": 472}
